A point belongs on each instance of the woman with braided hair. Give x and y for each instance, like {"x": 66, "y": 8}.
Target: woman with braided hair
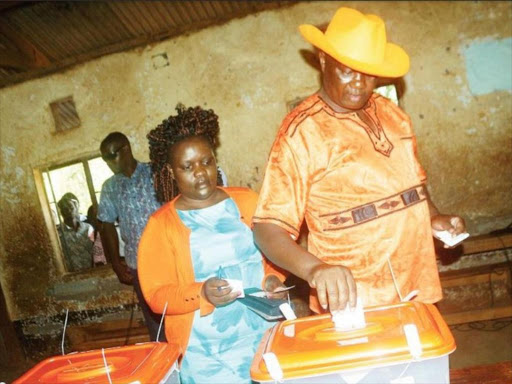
{"x": 188, "y": 122}
{"x": 195, "y": 241}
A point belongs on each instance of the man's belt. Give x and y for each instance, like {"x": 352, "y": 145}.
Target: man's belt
{"x": 371, "y": 211}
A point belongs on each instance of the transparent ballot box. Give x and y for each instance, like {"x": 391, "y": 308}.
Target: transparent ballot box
{"x": 135, "y": 364}
{"x": 403, "y": 343}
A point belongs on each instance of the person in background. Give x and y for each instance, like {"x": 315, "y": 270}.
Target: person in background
{"x": 195, "y": 241}
{"x": 98, "y": 255}
{"x": 128, "y": 197}
{"x": 345, "y": 161}
{"x": 76, "y": 236}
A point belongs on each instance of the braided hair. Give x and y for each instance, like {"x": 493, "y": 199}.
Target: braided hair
{"x": 192, "y": 121}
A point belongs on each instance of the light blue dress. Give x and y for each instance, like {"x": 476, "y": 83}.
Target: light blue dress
{"x": 222, "y": 344}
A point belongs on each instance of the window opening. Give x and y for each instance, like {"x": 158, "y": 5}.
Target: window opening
{"x": 65, "y": 114}
{"x": 83, "y": 178}
{"x": 388, "y": 91}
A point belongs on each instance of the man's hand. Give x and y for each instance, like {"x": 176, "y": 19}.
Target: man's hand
{"x": 335, "y": 286}
{"x": 451, "y": 223}
{"x": 123, "y": 273}
{"x": 218, "y": 292}
{"x": 110, "y": 242}
{"x": 271, "y": 284}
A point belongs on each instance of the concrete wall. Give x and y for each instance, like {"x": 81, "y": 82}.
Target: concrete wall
{"x": 247, "y": 70}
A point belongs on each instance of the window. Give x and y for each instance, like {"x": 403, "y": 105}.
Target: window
{"x": 65, "y": 114}
{"x": 393, "y": 89}
{"x": 388, "y": 91}
{"x": 81, "y": 180}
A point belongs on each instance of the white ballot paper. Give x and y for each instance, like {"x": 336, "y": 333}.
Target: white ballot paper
{"x": 237, "y": 285}
{"x": 449, "y": 239}
{"x": 347, "y": 319}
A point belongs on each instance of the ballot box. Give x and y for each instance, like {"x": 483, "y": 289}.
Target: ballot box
{"x": 403, "y": 343}
{"x": 136, "y": 364}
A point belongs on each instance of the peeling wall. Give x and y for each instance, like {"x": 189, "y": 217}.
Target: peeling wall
{"x": 247, "y": 70}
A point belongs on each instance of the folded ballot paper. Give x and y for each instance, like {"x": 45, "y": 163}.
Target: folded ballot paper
{"x": 449, "y": 239}
{"x": 349, "y": 319}
{"x": 237, "y": 286}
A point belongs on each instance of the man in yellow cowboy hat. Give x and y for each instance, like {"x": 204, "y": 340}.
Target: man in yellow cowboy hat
{"x": 345, "y": 160}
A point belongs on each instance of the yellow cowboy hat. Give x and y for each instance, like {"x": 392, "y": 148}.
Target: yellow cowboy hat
{"x": 359, "y": 42}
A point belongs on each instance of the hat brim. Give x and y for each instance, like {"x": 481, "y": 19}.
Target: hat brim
{"x": 395, "y": 64}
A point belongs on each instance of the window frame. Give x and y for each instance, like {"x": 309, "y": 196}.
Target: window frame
{"x": 44, "y": 199}
{"x": 399, "y": 85}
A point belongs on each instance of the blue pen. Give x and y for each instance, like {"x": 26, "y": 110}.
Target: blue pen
{"x": 220, "y": 275}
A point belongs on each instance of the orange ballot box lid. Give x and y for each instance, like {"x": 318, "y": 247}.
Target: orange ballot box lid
{"x": 312, "y": 346}
{"x": 143, "y": 363}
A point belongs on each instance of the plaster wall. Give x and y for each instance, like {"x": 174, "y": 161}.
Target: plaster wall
{"x": 247, "y": 70}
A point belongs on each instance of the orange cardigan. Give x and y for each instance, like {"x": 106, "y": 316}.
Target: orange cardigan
{"x": 166, "y": 272}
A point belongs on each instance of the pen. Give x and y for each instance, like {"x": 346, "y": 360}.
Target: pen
{"x": 220, "y": 275}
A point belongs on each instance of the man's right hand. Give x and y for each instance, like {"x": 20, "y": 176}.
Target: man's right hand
{"x": 335, "y": 286}
{"x": 123, "y": 273}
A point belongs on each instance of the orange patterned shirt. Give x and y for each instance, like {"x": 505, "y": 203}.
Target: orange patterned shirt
{"x": 362, "y": 195}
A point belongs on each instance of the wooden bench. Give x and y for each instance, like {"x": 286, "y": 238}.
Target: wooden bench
{"x": 498, "y": 373}
{"x": 107, "y": 334}
{"x": 478, "y": 293}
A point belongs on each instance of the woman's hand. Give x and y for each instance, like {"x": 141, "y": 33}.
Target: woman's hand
{"x": 271, "y": 284}
{"x": 335, "y": 286}
{"x": 218, "y": 292}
